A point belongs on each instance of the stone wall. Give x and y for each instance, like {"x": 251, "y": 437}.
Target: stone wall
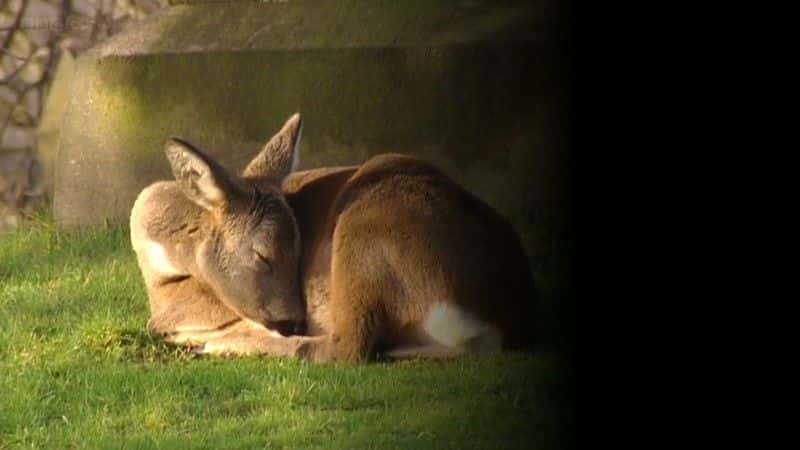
{"x": 35, "y": 36}
{"x": 477, "y": 87}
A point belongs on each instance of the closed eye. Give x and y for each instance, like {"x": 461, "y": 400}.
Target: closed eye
{"x": 264, "y": 260}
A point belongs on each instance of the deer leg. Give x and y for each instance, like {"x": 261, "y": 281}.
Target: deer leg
{"x": 184, "y": 313}
{"x": 259, "y": 341}
{"x": 356, "y": 296}
{"x": 352, "y": 341}
{"x": 194, "y": 317}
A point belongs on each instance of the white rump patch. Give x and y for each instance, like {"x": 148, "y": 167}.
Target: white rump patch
{"x": 159, "y": 262}
{"x": 454, "y": 327}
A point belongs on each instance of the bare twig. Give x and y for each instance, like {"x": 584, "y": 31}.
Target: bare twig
{"x": 14, "y": 26}
{"x": 18, "y": 69}
{"x": 8, "y": 52}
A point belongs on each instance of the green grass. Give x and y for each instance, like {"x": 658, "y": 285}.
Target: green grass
{"x": 78, "y": 370}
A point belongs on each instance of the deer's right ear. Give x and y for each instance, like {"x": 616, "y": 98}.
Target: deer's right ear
{"x": 280, "y": 156}
{"x": 200, "y": 178}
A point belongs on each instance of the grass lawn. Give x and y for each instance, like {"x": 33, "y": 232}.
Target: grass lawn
{"x": 78, "y": 370}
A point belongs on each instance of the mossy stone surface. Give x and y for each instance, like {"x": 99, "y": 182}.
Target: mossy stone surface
{"x": 49, "y": 129}
{"x": 202, "y": 26}
{"x": 485, "y": 107}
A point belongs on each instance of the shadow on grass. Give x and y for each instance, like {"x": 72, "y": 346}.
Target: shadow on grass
{"x": 131, "y": 345}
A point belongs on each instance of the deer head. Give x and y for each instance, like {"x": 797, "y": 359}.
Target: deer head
{"x": 248, "y": 249}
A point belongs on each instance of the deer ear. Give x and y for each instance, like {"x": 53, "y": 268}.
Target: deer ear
{"x": 201, "y": 179}
{"x": 281, "y": 155}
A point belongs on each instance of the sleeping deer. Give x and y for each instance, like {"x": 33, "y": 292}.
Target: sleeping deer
{"x": 390, "y": 258}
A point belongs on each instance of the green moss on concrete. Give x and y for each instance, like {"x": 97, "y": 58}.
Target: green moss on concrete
{"x": 306, "y": 24}
{"x": 482, "y": 113}
{"x": 474, "y": 86}
{"x": 48, "y": 131}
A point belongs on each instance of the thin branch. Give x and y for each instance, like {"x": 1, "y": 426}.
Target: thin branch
{"x": 7, "y": 118}
{"x": 14, "y": 26}
{"x": 8, "y": 52}
{"x": 98, "y": 12}
{"x": 17, "y": 70}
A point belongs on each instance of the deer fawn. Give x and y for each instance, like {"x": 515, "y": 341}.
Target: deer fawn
{"x": 390, "y": 257}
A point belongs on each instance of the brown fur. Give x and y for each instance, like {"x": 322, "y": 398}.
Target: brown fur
{"x": 394, "y": 258}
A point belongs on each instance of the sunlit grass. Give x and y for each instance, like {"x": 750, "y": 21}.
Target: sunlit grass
{"x": 78, "y": 370}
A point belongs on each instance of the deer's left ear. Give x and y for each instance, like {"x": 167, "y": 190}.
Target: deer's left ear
{"x": 200, "y": 178}
{"x": 281, "y": 155}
